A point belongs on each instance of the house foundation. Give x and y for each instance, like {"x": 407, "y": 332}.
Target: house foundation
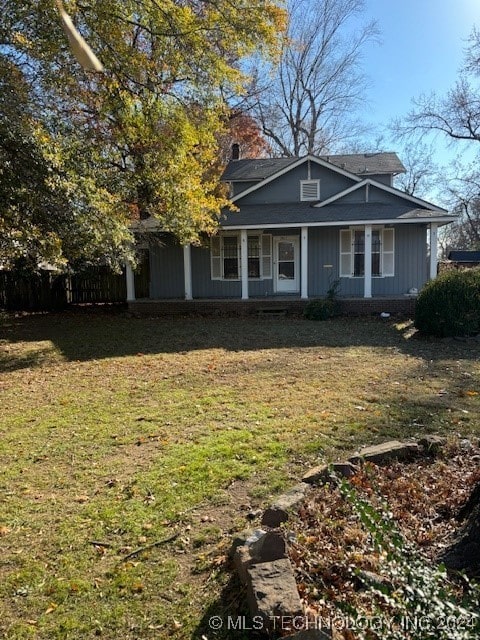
{"x": 260, "y": 306}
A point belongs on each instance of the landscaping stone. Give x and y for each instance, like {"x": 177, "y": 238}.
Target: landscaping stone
{"x": 272, "y": 592}
{"x": 322, "y": 474}
{"x": 384, "y": 453}
{"x": 267, "y": 547}
{"x": 246, "y": 537}
{"x": 241, "y": 561}
{"x": 260, "y": 556}
{"x": 312, "y": 634}
{"x": 278, "y": 512}
{"x": 432, "y": 444}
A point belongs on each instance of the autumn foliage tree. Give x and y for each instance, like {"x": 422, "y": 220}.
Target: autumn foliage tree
{"x": 242, "y": 129}
{"x": 142, "y": 136}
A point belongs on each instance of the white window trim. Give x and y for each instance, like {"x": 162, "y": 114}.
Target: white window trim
{"x": 261, "y": 236}
{"x": 383, "y": 230}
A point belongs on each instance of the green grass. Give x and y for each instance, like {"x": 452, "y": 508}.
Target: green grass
{"x": 126, "y": 431}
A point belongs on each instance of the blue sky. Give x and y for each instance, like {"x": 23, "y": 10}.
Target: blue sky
{"x": 421, "y": 50}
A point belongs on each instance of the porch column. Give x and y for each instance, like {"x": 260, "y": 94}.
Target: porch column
{"x": 187, "y": 271}
{"x": 244, "y": 262}
{"x": 433, "y": 249}
{"x": 367, "y": 291}
{"x": 304, "y": 264}
{"x": 130, "y": 282}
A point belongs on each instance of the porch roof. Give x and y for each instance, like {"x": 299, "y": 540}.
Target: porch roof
{"x": 305, "y": 214}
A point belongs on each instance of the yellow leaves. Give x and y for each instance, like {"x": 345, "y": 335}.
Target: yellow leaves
{"x": 137, "y": 586}
{"x": 51, "y": 608}
{"x": 20, "y": 39}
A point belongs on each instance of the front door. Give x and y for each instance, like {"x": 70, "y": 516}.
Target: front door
{"x": 286, "y": 264}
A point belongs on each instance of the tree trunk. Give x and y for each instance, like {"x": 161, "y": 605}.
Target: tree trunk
{"x": 464, "y": 553}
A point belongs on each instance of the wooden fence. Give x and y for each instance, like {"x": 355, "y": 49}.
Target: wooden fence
{"x": 49, "y": 290}
{"x": 32, "y": 292}
{"x": 96, "y": 285}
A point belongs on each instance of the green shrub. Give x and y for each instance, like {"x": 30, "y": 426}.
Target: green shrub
{"x": 321, "y": 309}
{"x": 324, "y": 308}
{"x": 450, "y": 304}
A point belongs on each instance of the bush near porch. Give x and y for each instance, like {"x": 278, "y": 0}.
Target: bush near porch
{"x": 450, "y": 304}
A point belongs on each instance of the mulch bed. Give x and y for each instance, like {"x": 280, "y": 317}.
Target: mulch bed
{"x": 328, "y": 544}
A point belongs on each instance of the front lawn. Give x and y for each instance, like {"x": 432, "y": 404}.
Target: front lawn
{"x": 120, "y": 433}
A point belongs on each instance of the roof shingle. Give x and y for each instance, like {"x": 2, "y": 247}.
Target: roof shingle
{"x": 361, "y": 164}
{"x": 303, "y": 213}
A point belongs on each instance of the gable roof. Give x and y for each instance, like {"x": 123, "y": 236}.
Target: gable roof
{"x": 363, "y": 164}
{"x": 252, "y": 170}
{"x": 382, "y": 187}
{"x": 296, "y": 162}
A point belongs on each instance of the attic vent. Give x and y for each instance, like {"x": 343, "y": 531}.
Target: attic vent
{"x": 309, "y": 189}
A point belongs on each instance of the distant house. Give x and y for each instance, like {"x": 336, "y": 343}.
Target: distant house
{"x": 464, "y": 259}
{"x": 302, "y": 223}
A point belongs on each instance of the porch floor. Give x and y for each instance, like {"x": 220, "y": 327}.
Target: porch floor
{"x": 292, "y": 305}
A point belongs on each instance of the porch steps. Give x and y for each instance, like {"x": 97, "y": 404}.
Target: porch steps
{"x": 272, "y": 311}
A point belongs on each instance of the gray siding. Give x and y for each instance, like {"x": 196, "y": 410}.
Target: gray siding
{"x": 384, "y": 179}
{"x": 166, "y": 271}
{"x": 167, "y": 278}
{"x": 375, "y": 195}
{"x": 238, "y": 187}
{"x": 323, "y": 251}
{"x": 286, "y": 188}
{"x": 202, "y": 284}
{"x": 410, "y": 263}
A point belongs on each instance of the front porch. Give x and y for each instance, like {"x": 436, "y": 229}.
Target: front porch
{"x": 404, "y": 305}
{"x": 298, "y": 263}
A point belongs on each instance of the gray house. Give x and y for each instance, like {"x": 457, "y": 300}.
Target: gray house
{"x": 302, "y": 223}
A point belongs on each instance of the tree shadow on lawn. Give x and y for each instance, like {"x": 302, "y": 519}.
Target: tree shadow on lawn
{"x": 228, "y": 618}
{"x": 91, "y": 336}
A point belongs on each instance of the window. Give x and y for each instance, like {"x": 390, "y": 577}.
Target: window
{"x": 231, "y": 258}
{"x": 254, "y": 257}
{"x": 352, "y": 252}
{"x": 225, "y": 257}
{"x": 309, "y": 190}
{"x": 358, "y": 252}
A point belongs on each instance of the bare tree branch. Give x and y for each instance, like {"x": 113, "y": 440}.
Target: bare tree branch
{"x": 318, "y": 84}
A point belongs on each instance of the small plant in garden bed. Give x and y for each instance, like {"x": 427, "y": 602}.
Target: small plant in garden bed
{"x": 324, "y": 308}
{"x": 373, "y": 566}
{"x": 412, "y": 598}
